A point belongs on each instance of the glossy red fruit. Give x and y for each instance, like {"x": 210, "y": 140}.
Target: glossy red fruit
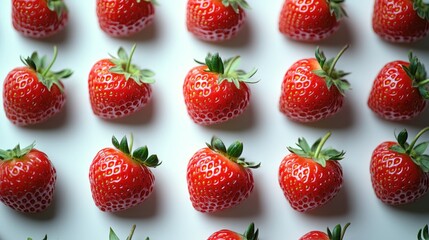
{"x": 117, "y": 87}
{"x": 312, "y": 89}
{"x": 218, "y": 178}
{"x": 32, "y": 94}
{"x": 39, "y": 18}
{"x": 312, "y": 20}
{"x": 27, "y": 179}
{"x": 123, "y": 18}
{"x": 310, "y": 177}
{"x": 400, "y": 171}
{"x": 121, "y": 179}
{"x": 400, "y": 90}
{"x": 226, "y": 234}
{"x": 215, "y": 20}
{"x": 403, "y": 21}
{"x": 336, "y": 234}
{"x": 216, "y": 91}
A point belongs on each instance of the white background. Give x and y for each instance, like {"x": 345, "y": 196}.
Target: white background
{"x": 72, "y": 138}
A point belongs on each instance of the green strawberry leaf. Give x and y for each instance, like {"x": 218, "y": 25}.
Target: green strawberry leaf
{"x": 233, "y": 152}
{"x": 236, "y": 4}
{"x": 337, "y": 233}
{"x": 421, "y": 8}
{"x": 140, "y": 155}
{"x": 16, "y": 152}
{"x": 251, "y": 233}
{"x": 336, "y": 9}
{"x": 57, "y": 6}
{"x": 423, "y": 233}
{"x": 417, "y": 73}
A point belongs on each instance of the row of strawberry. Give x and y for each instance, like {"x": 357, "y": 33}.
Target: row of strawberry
{"x": 214, "y": 91}
{"x": 213, "y": 20}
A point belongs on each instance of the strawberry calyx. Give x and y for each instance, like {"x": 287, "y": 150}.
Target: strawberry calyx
{"x": 16, "y": 152}
{"x": 336, "y": 9}
{"x": 423, "y": 233}
{"x": 251, "y": 233}
{"x": 47, "y": 77}
{"x": 421, "y": 8}
{"x": 329, "y": 73}
{"x": 57, "y": 6}
{"x": 227, "y": 70}
{"x": 316, "y": 151}
{"x": 236, "y": 4}
{"x": 416, "y": 152}
{"x": 337, "y": 233}
{"x": 124, "y": 66}
{"x": 140, "y": 155}
{"x": 113, "y": 236}
{"x": 417, "y": 72}
{"x": 233, "y": 152}
{"x": 45, "y": 238}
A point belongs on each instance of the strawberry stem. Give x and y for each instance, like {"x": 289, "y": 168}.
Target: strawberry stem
{"x": 131, "y": 232}
{"x": 410, "y": 148}
{"x": 336, "y": 59}
{"x": 52, "y": 62}
{"x": 343, "y": 232}
{"x": 127, "y": 67}
{"x": 321, "y": 143}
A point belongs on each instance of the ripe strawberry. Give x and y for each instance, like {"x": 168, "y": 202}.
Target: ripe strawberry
{"x": 310, "y": 20}
{"x": 120, "y": 179}
{"x": 118, "y": 88}
{"x": 313, "y": 89}
{"x": 218, "y": 178}
{"x": 39, "y": 18}
{"x": 226, "y": 234}
{"x": 310, "y": 177}
{"x": 336, "y": 234}
{"x": 215, "y": 20}
{"x": 27, "y": 179}
{"x": 423, "y": 233}
{"x": 400, "y": 171}
{"x": 216, "y": 91}
{"x": 113, "y": 236}
{"x": 400, "y": 90}
{"x": 33, "y": 93}
{"x": 123, "y": 18}
{"x": 401, "y": 20}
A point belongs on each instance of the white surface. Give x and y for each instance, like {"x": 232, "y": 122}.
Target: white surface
{"x": 73, "y": 138}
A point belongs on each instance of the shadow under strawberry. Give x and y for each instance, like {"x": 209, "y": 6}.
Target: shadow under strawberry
{"x": 146, "y": 210}
{"x": 243, "y": 40}
{"x": 239, "y": 124}
{"x": 419, "y": 207}
{"x": 149, "y": 34}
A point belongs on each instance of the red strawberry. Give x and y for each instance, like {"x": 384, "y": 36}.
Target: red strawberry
{"x": 118, "y": 88}
{"x": 33, "y": 94}
{"x": 310, "y": 177}
{"x": 216, "y": 91}
{"x": 310, "y": 20}
{"x": 218, "y": 178}
{"x": 39, "y": 18}
{"x": 400, "y": 90}
{"x": 400, "y": 171}
{"x": 121, "y": 179}
{"x": 401, "y": 20}
{"x": 27, "y": 179}
{"x": 215, "y": 20}
{"x": 313, "y": 89}
{"x": 226, "y": 234}
{"x": 336, "y": 234}
{"x": 423, "y": 233}
{"x": 122, "y": 18}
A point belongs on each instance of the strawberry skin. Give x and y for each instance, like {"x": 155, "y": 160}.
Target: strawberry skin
{"x": 312, "y": 20}
{"x": 399, "y": 21}
{"x": 315, "y": 235}
{"x": 212, "y": 20}
{"x": 217, "y": 178}
{"x": 123, "y": 18}
{"x": 27, "y": 179}
{"x": 399, "y": 90}
{"x": 120, "y": 180}
{"x": 39, "y": 18}
{"x": 226, "y": 234}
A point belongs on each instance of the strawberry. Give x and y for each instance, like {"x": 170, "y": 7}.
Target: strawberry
{"x": 27, "y": 179}
{"x": 122, "y": 18}
{"x": 226, "y": 234}
{"x": 336, "y": 234}
{"x": 400, "y": 90}
{"x": 313, "y": 89}
{"x": 403, "y": 21}
{"x": 310, "y": 177}
{"x": 400, "y": 171}
{"x": 216, "y": 91}
{"x": 121, "y": 179}
{"x": 113, "y": 236}
{"x": 118, "y": 88}
{"x": 310, "y": 20}
{"x": 215, "y": 20}
{"x": 218, "y": 178}
{"x": 39, "y": 18}
{"x": 33, "y": 93}
{"x": 423, "y": 233}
